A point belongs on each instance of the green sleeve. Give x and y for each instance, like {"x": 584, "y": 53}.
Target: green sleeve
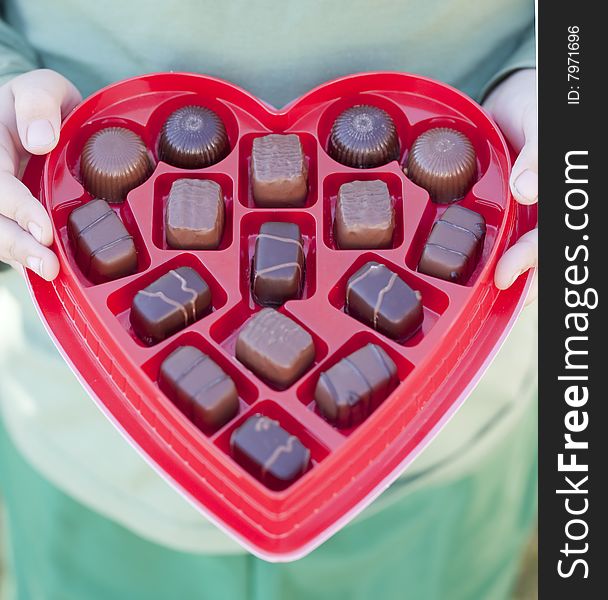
{"x": 16, "y": 55}
{"x": 523, "y": 57}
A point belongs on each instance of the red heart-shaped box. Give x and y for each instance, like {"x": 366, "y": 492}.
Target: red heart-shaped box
{"x": 463, "y": 324}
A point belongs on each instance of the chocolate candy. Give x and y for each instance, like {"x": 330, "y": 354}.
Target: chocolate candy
{"x": 172, "y": 302}
{"x": 363, "y": 137}
{"x": 275, "y": 348}
{"x": 103, "y": 248}
{"x": 279, "y": 173}
{"x": 381, "y": 299}
{"x": 199, "y": 388}
{"x": 278, "y": 264}
{"x": 113, "y": 162}
{"x": 193, "y": 137}
{"x": 195, "y": 214}
{"x": 269, "y": 452}
{"x": 454, "y": 246}
{"x": 365, "y": 217}
{"x": 442, "y": 161}
{"x": 352, "y": 389}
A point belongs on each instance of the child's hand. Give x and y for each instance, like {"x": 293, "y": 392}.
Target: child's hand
{"x": 513, "y": 106}
{"x": 31, "y": 109}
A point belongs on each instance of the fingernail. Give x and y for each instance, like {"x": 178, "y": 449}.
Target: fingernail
{"x": 527, "y": 185}
{"x": 35, "y": 264}
{"x": 35, "y": 230}
{"x": 40, "y": 134}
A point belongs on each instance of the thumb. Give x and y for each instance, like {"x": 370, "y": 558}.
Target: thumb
{"x": 42, "y": 98}
{"x": 524, "y": 175}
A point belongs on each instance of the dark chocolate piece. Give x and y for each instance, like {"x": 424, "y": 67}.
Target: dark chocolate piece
{"x": 269, "y": 452}
{"x": 381, "y": 299}
{"x": 199, "y": 388}
{"x": 193, "y": 137}
{"x": 454, "y": 246}
{"x": 364, "y": 137}
{"x": 443, "y": 162}
{"x": 278, "y": 264}
{"x": 279, "y": 175}
{"x": 365, "y": 217}
{"x": 195, "y": 214}
{"x": 103, "y": 248}
{"x": 353, "y": 388}
{"x": 275, "y": 348}
{"x": 113, "y": 162}
{"x": 172, "y": 302}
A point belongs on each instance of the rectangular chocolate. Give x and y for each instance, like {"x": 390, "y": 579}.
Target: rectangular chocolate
{"x": 279, "y": 175}
{"x": 381, "y": 299}
{"x": 454, "y": 245}
{"x": 199, "y": 388}
{"x": 195, "y": 214}
{"x": 353, "y": 388}
{"x": 268, "y": 452}
{"x": 275, "y": 347}
{"x": 172, "y": 302}
{"x": 365, "y": 217}
{"x": 278, "y": 264}
{"x": 103, "y": 248}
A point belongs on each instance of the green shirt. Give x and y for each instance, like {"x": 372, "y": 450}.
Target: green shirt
{"x": 275, "y": 49}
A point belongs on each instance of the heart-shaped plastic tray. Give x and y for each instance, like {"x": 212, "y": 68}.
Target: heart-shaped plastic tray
{"x": 462, "y": 329}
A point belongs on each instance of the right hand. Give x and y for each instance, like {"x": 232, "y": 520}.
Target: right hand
{"x": 32, "y": 107}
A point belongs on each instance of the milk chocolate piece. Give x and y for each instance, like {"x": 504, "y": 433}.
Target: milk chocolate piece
{"x": 279, "y": 174}
{"x": 193, "y": 137}
{"x": 199, "y": 388}
{"x": 278, "y": 264}
{"x": 195, "y": 214}
{"x": 353, "y": 388}
{"x": 381, "y": 299}
{"x": 103, "y": 248}
{"x": 269, "y": 452}
{"x": 363, "y": 137}
{"x": 365, "y": 217}
{"x": 442, "y": 161}
{"x": 454, "y": 246}
{"x": 113, "y": 162}
{"x": 275, "y": 348}
{"x": 172, "y": 302}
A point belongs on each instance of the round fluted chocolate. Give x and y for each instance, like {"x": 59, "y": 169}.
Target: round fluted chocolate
{"x": 442, "y": 161}
{"x": 113, "y": 162}
{"x": 193, "y": 137}
{"x": 364, "y": 137}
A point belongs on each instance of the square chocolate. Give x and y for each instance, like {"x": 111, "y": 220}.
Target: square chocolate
{"x": 279, "y": 175}
{"x": 169, "y": 304}
{"x": 365, "y": 217}
{"x": 275, "y": 347}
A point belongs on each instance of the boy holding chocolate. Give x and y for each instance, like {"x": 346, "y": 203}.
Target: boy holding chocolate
{"x": 86, "y": 517}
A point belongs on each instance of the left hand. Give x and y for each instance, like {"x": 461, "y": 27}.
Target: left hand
{"x": 512, "y": 104}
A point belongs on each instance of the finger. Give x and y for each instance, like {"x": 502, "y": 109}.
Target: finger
{"x": 18, "y": 204}
{"x": 18, "y": 246}
{"x": 524, "y": 175}
{"x": 41, "y": 98}
{"x": 517, "y": 260}
{"x": 533, "y": 291}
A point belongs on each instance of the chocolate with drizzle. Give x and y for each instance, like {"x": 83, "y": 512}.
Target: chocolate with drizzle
{"x": 103, "y": 248}
{"x": 278, "y": 264}
{"x": 172, "y": 302}
{"x": 269, "y": 452}
{"x": 454, "y": 246}
{"x": 353, "y": 388}
{"x": 199, "y": 388}
{"x": 381, "y": 299}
